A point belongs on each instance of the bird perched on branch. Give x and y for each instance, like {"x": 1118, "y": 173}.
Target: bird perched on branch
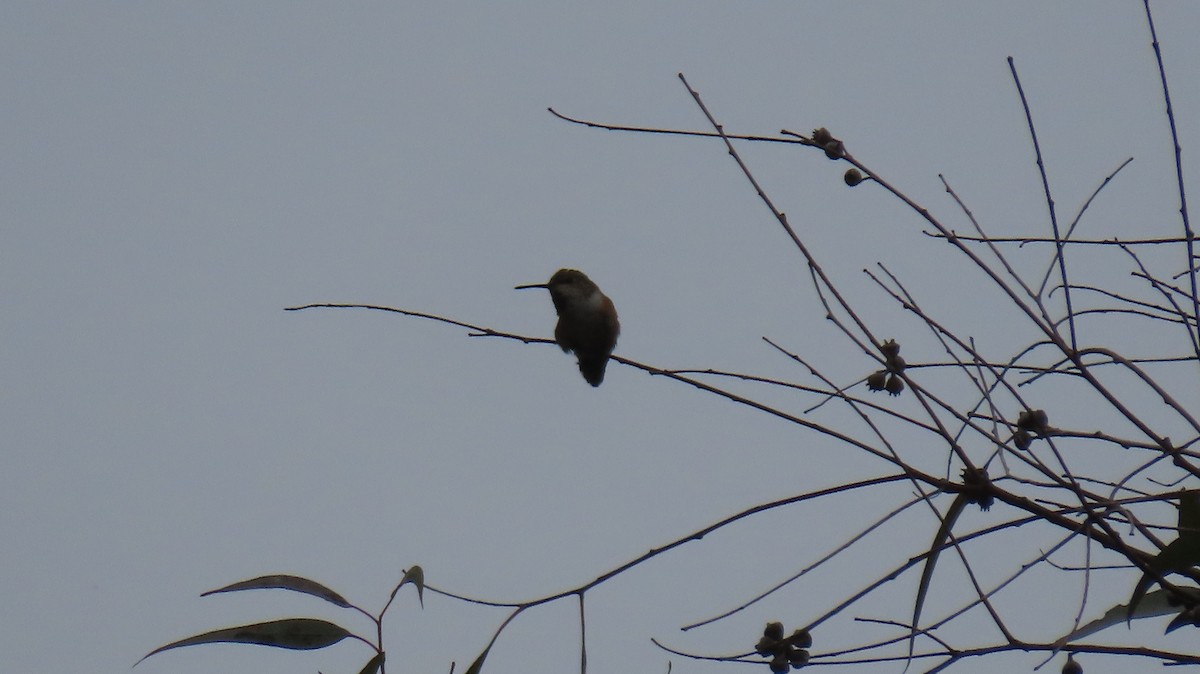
{"x": 587, "y": 321}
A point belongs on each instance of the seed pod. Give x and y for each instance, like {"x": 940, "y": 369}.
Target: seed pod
{"x": 853, "y": 177}
{"x": 876, "y": 381}
{"x": 1022, "y": 439}
{"x": 894, "y": 385}
{"x": 1034, "y": 421}
{"x": 798, "y": 658}
{"x": 800, "y": 639}
{"x": 774, "y": 631}
{"x": 889, "y": 349}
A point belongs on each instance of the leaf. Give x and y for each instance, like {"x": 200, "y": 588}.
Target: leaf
{"x": 1144, "y": 583}
{"x": 1153, "y": 604}
{"x": 1179, "y": 555}
{"x": 1189, "y": 513}
{"x": 1187, "y": 617}
{"x": 939, "y": 541}
{"x": 373, "y": 664}
{"x": 285, "y": 582}
{"x": 477, "y": 666}
{"x": 303, "y": 634}
{"x": 416, "y": 576}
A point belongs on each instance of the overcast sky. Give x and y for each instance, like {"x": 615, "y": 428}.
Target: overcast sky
{"x": 174, "y": 174}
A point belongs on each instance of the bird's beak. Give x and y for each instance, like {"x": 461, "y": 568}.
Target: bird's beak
{"x": 532, "y": 285}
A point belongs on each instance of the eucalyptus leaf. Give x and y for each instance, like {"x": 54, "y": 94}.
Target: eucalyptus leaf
{"x": 477, "y": 666}
{"x": 416, "y": 576}
{"x": 1152, "y": 605}
{"x": 303, "y": 634}
{"x": 1179, "y": 555}
{"x": 939, "y": 543}
{"x": 373, "y": 664}
{"x": 285, "y": 582}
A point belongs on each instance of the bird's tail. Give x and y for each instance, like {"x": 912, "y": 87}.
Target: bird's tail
{"x": 592, "y": 369}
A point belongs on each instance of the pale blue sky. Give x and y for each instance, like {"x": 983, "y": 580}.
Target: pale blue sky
{"x": 174, "y": 174}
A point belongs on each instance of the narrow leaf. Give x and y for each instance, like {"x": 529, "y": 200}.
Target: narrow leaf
{"x": 303, "y": 634}
{"x": 477, "y": 666}
{"x": 1185, "y": 618}
{"x": 1189, "y": 514}
{"x": 373, "y": 664}
{"x": 416, "y": 576}
{"x": 1153, "y": 604}
{"x": 285, "y": 582}
{"x": 939, "y": 541}
{"x": 1179, "y": 555}
{"x": 1139, "y": 591}
{"x": 1189, "y": 531}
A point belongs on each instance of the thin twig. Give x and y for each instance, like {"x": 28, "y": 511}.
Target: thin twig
{"x": 1022, "y": 240}
{"x": 794, "y": 140}
{"x": 1037, "y": 148}
{"x": 1189, "y": 235}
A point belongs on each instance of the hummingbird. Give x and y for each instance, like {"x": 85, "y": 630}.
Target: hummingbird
{"x": 587, "y": 321}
